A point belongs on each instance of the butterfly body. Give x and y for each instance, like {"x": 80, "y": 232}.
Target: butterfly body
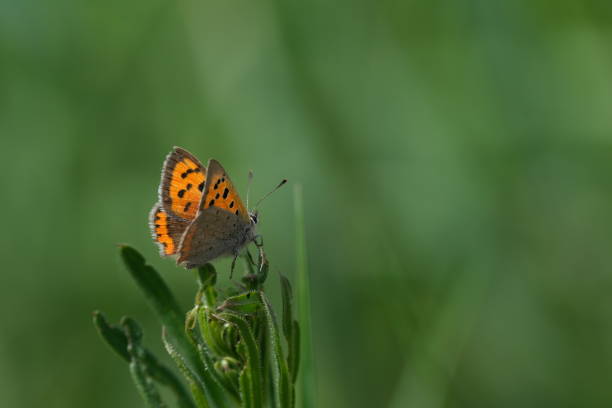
{"x": 199, "y": 216}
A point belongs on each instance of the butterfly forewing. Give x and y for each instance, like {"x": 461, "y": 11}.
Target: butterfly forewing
{"x": 182, "y": 184}
{"x": 219, "y": 191}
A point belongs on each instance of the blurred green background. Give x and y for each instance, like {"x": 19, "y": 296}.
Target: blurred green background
{"x": 455, "y": 158}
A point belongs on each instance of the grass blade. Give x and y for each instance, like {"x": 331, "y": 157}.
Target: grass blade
{"x": 306, "y": 385}
{"x": 280, "y": 375}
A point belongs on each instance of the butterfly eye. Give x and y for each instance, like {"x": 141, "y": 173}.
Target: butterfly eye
{"x": 253, "y": 218}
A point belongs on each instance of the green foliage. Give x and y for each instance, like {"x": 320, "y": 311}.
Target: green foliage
{"x": 227, "y": 347}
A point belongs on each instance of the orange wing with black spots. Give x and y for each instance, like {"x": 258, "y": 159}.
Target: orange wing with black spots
{"x": 219, "y": 191}
{"x": 167, "y": 230}
{"x": 182, "y": 183}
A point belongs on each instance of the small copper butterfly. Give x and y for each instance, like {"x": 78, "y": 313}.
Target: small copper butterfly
{"x": 199, "y": 216}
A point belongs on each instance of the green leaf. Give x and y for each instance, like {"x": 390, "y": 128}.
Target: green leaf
{"x": 195, "y": 383}
{"x": 145, "y": 385}
{"x": 280, "y": 375}
{"x": 118, "y": 341}
{"x": 114, "y": 336}
{"x": 209, "y": 363}
{"x": 253, "y": 362}
{"x": 160, "y": 299}
{"x": 211, "y": 330}
{"x": 246, "y": 392}
{"x": 228, "y": 371}
{"x": 169, "y": 313}
{"x": 243, "y": 303}
{"x": 294, "y": 352}
{"x": 287, "y": 312}
{"x": 207, "y": 278}
{"x": 138, "y": 369}
{"x": 154, "y": 288}
{"x": 306, "y": 385}
{"x": 290, "y": 329}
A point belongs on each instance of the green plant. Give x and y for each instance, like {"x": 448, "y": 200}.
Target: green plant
{"x": 227, "y": 347}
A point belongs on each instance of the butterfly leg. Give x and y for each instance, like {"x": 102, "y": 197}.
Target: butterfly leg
{"x": 233, "y": 265}
{"x": 250, "y": 258}
{"x": 258, "y": 241}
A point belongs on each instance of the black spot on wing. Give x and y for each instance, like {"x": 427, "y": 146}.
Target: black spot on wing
{"x": 181, "y": 193}
{"x": 225, "y": 193}
{"x": 189, "y": 171}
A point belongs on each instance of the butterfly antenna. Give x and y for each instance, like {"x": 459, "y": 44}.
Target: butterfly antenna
{"x": 249, "y": 187}
{"x": 266, "y": 196}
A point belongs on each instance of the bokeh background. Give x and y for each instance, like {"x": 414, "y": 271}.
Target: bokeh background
{"x": 456, "y": 161}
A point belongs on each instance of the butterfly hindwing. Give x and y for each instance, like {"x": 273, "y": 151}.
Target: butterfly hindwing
{"x": 167, "y": 229}
{"x": 219, "y": 191}
{"x": 214, "y": 233}
{"x": 182, "y": 184}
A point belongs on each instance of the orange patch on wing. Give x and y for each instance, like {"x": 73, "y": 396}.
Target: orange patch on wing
{"x": 222, "y": 194}
{"x": 162, "y": 236}
{"x": 185, "y": 188}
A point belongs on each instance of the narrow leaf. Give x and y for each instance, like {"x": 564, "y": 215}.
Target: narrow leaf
{"x": 114, "y": 336}
{"x": 253, "y": 363}
{"x": 213, "y": 375}
{"x": 118, "y": 341}
{"x": 280, "y": 375}
{"x": 154, "y": 288}
{"x": 246, "y": 392}
{"x": 138, "y": 369}
{"x": 287, "y": 310}
{"x": 294, "y": 352}
{"x": 245, "y": 302}
{"x": 207, "y": 278}
{"x": 145, "y": 385}
{"x": 195, "y": 383}
{"x": 169, "y": 313}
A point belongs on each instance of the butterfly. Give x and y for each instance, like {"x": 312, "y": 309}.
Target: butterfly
{"x": 199, "y": 216}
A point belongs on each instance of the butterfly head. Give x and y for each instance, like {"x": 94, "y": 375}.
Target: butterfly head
{"x": 254, "y": 216}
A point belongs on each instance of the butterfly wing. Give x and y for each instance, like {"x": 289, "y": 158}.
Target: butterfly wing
{"x": 167, "y": 229}
{"x": 222, "y": 225}
{"x": 219, "y": 191}
{"x": 215, "y": 232}
{"x": 182, "y": 183}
